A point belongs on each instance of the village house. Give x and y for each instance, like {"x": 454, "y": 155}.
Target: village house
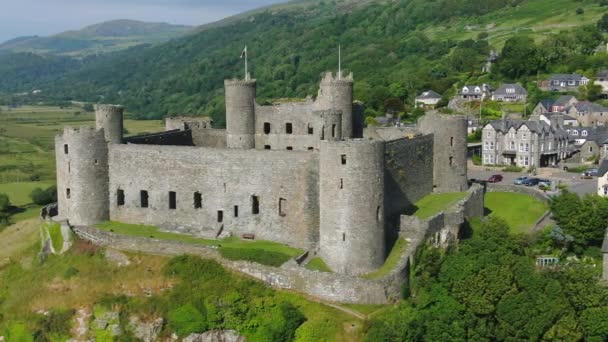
{"x": 565, "y": 119}
{"x": 589, "y": 141}
{"x": 428, "y": 98}
{"x": 602, "y": 190}
{"x": 510, "y": 93}
{"x": 524, "y": 143}
{"x": 560, "y": 105}
{"x": 564, "y": 82}
{"x": 602, "y": 80}
{"x": 589, "y": 113}
{"x": 475, "y": 92}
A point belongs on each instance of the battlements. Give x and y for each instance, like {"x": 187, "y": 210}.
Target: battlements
{"x": 83, "y": 132}
{"x": 110, "y": 108}
{"x": 240, "y": 83}
{"x": 337, "y": 79}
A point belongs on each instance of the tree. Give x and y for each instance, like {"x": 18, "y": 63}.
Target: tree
{"x": 44, "y": 197}
{"x": 186, "y": 320}
{"x": 88, "y": 107}
{"x": 520, "y": 57}
{"x": 592, "y": 92}
{"x": 5, "y": 206}
{"x": 602, "y": 24}
{"x": 579, "y": 11}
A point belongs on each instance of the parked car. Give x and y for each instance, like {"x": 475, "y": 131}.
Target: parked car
{"x": 531, "y": 182}
{"x": 544, "y": 183}
{"x": 520, "y": 180}
{"x": 590, "y": 172}
{"x": 495, "y": 179}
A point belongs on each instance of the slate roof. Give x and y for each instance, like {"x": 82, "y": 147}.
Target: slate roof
{"x": 597, "y": 134}
{"x": 601, "y": 172}
{"x": 563, "y": 100}
{"x": 502, "y": 90}
{"x": 472, "y": 89}
{"x": 566, "y": 77}
{"x": 534, "y": 126}
{"x": 429, "y": 94}
{"x": 565, "y": 116}
{"x": 586, "y": 106}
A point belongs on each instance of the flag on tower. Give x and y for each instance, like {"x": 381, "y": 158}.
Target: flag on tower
{"x": 244, "y": 53}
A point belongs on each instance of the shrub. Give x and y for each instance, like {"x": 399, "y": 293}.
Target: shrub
{"x": 255, "y": 255}
{"x": 70, "y": 272}
{"x": 476, "y": 160}
{"x": 187, "y": 320}
{"x": 44, "y": 197}
{"x": 579, "y": 11}
{"x": 5, "y": 203}
{"x": 512, "y": 168}
{"x": 54, "y": 325}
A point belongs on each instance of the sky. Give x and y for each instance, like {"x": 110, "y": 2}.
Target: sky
{"x": 47, "y": 17}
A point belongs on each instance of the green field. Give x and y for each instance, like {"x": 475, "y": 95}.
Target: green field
{"x": 520, "y": 211}
{"x": 435, "y": 203}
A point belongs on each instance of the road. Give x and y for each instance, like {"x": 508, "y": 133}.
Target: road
{"x": 574, "y": 181}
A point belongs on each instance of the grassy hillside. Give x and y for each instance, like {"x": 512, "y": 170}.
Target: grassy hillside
{"x": 395, "y": 49}
{"x": 99, "y": 38}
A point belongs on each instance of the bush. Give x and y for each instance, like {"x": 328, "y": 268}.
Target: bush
{"x": 54, "y": 326}
{"x": 476, "y": 160}
{"x": 5, "y": 203}
{"x": 579, "y": 11}
{"x": 44, "y": 197}
{"x": 70, "y": 272}
{"x": 512, "y": 168}
{"x": 187, "y": 320}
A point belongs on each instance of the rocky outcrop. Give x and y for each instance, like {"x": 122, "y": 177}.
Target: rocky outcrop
{"x": 216, "y": 336}
{"x": 146, "y": 331}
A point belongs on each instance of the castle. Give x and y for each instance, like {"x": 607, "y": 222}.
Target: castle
{"x": 301, "y": 173}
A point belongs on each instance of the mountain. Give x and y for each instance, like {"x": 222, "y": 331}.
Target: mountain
{"x": 395, "y": 49}
{"x": 104, "y": 37}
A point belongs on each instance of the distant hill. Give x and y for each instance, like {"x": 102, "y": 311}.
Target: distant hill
{"x": 99, "y": 38}
{"x": 396, "y": 48}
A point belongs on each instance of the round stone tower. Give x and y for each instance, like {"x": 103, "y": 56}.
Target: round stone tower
{"x": 109, "y": 118}
{"x": 449, "y": 150}
{"x": 240, "y": 113}
{"x": 336, "y": 92}
{"x": 328, "y": 124}
{"x": 82, "y": 176}
{"x": 352, "y": 236}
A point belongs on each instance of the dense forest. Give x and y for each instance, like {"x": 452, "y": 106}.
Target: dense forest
{"x": 384, "y": 43}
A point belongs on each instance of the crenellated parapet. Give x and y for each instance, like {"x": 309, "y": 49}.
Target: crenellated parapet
{"x": 336, "y": 93}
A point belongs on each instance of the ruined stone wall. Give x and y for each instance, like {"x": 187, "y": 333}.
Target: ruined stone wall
{"x": 82, "y": 175}
{"x": 209, "y": 137}
{"x": 184, "y": 123}
{"x": 352, "y": 205}
{"x": 271, "y": 126}
{"x": 174, "y": 137}
{"x": 408, "y": 177}
{"x": 520, "y": 189}
{"x": 284, "y": 184}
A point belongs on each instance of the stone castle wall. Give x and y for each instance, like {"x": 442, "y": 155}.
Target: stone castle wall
{"x": 209, "y": 138}
{"x": 283, "y": 185}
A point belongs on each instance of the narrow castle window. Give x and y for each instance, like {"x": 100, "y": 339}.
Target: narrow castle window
{"x": 311, "y": 148}
{"x": 266, "y": 127}
{"x": 143, "y": 198}
{"x": 341, "y": 183}
{"x": 451, "y": 141}
{"x": 310, "y": 129}
{"x": 198, "y": 200}
{"x": 172, "y": 200}
{"x": 289, "y": 148}
{"x": 255, "y": 205}
{"x": 288, "y": 128}
{"x": 120, "y": 197}
{"x": 96, "y": 161}
{"x": 343, "y": 236}
{"x": 333, "y": 131}
{"x": 68, "y": 193}
{"x": 65, "y": 149}
{"x": 378, "y": 214}
{"x": 236, "y": 211}
{"x": 220, "y": 216}
{"x": 343, "y": 159}
{"x": 451, "y": 161}
{"x": 69, "y": 167}
{"x": 323, "y": 133}
{"x": 267, "y": 147}
{"x": 282, "y": 208}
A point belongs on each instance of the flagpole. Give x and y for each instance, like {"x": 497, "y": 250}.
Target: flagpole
{"x": 339, "y": 61}
{"x": 246, "y": 70}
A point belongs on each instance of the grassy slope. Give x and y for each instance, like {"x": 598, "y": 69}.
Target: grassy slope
{"x": 519, "y": 210}
{"x": 390, "y": 262}
{"x": 435, "y": 203}
{"x": 28, "y": 286}
{"x": 317, "y": 264}
{"x": 535, "y": 18}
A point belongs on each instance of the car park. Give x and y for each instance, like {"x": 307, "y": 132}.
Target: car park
{"x": 495, "y": 179}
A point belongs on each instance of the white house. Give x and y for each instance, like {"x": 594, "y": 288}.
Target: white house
{"x": 602, "y": 179}
{"x": 428, "y": 98}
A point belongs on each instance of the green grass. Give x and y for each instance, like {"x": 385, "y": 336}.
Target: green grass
{"x": 317, "y": 264}
{"x": 391, "y": 261}
{"x": 19, "y": 193}
{"x": 232, "y": 248}
{"x": 519, "y": 210}
{"x": 436, "y": 203}
{"x": 54, "y": 230}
